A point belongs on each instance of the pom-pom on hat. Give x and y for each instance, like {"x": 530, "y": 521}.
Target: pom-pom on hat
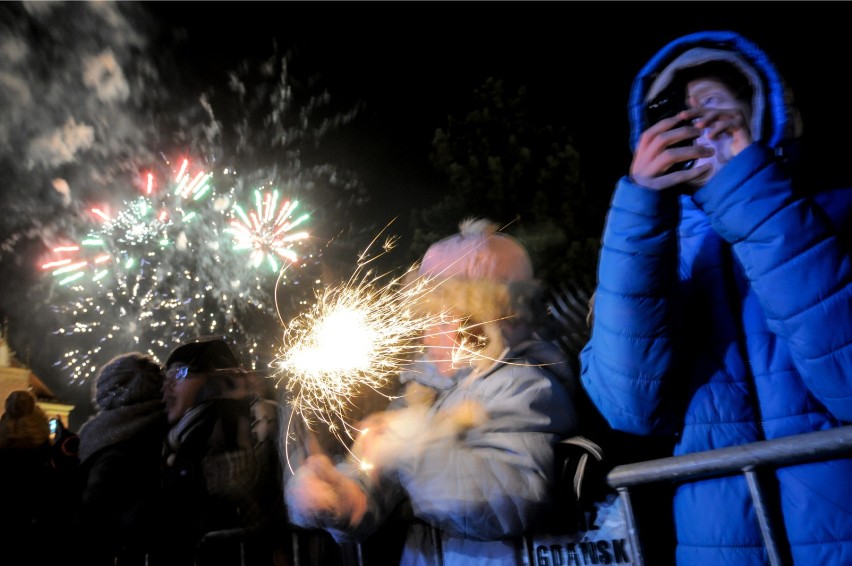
{"x": 478, "y": 251}
{"x": 24, "y": 424}
{"x": 127, "y": 379}
{"x": 204, "y": 354}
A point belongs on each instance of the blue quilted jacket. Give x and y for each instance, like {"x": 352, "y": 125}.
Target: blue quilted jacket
{"x": 724, "y": 318}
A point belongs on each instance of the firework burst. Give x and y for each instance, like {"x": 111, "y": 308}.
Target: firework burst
{"x": 188, "y": 189}
{"x": 158, "y": 275}
{"x": 267, "y": 230}
{"x": 117, "y": 244}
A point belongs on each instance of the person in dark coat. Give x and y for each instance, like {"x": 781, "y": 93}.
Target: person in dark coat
{"x": 28, "y": 480}
{"x": 120, "y": 455}
{"x": 222, "y": 492}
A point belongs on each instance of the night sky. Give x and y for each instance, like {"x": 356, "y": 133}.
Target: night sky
{"x": 406, "y": 66}
{"x": 416, "y": 62}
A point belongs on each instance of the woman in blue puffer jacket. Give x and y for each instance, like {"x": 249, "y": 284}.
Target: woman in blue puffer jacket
{"x": 722, "y": 312}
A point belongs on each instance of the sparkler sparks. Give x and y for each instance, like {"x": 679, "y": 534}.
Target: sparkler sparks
{"x": 357, "y": 335}
{"x": 355, "y": 339}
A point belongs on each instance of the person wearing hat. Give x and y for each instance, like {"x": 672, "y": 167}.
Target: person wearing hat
{"x": 23, "y": 424}
{"x": 188, "y": 368}
{"x": 470, "y": 444}
{"x": 220, "y": 473}
{"x": 120, "y": 454}
{"x": 722, "y": 311}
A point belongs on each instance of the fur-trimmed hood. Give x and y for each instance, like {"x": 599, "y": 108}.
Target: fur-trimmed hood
{"x": 776, "y": 122}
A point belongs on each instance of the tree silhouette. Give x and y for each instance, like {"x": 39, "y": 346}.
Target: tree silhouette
{"x": 504, "y": 161}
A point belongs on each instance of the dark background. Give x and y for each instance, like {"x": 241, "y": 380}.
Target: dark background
{"x": 414, "y": 63}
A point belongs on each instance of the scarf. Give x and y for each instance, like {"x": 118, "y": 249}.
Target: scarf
{"x": 112, "y": 426}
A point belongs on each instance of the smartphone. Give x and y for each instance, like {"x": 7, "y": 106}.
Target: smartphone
{"x": 667, "y": 104}
{"x": 54, "y": 426}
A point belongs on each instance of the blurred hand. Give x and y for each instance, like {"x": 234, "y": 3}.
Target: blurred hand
{"x": 319, "y": 496}
{"x": 388, "y": 436}
{"x": 391, "y": 437}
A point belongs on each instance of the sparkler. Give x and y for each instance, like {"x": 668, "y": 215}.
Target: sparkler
{"x": 358, "y": 335}
{"x": 354, "y": 339}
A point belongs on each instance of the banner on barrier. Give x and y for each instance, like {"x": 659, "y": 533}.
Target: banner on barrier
{"x": 604, "y": 540}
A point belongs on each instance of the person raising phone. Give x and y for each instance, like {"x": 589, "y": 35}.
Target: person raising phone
{"x": 721, "y": 313}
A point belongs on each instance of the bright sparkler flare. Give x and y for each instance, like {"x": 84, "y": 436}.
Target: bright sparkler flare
{"x": 362, "y": 334}
{"x": 267, "y": 230}
{"x": 356, "y": 335}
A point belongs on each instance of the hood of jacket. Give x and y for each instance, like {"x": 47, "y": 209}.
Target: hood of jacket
{"x": 776, "y": 122}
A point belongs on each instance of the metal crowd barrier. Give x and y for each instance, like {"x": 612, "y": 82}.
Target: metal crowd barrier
{"x": 754, "y": 461}
{"x": 748, "y": 459}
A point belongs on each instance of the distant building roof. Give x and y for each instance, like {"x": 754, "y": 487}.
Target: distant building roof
{"x": 8, "y": 362}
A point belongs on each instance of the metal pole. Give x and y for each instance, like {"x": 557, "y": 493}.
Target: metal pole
{"x": 764, "y": 518}
{"x": 632, "y": 528}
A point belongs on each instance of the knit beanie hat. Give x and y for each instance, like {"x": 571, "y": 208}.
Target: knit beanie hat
{"x": 24, "y": 424}
{"x": 478, "y": 251}
{"x": 204, "y": 354}
{"x": 127, "y": 379}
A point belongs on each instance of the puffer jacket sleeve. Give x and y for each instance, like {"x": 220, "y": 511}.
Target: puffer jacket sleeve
{"x": 495, "y": 479}
{"x": 628, "y": 360}
{"x": 797, "y": 264}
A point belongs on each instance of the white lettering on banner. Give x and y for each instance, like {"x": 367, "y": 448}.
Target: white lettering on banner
{"x": 583, "y": 553}
{"x": 605, "y": 541}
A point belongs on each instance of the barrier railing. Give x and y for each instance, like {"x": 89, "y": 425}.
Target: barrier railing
{"x": 754, "y": 461}
{"x": 747, "y": 459}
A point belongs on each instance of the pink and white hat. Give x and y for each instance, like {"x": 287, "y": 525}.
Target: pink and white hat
{"x": 478, "y": 251}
